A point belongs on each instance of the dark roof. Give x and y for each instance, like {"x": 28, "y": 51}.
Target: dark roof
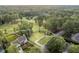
{"x": 20, "y": 40}
{"x": 75, "y": 37}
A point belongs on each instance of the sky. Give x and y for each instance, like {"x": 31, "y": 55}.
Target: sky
{"x": 39, "y": 2}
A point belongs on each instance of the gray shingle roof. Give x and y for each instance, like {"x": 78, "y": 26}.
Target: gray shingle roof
{"x": 75, "y": 37}
{"x": 20, "y": 40}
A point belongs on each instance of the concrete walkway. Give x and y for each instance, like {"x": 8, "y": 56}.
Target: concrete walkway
{"x": 39, "y": 43}
{"x": 43, "y": 48}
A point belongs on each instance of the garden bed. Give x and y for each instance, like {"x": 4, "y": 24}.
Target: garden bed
{"x": 30, "y": 48}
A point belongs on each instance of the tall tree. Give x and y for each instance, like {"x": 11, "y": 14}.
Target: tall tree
{"x": 39, "y": 21}
{"x": 26, "y": 28}
{"x": 56, "y": 44}
{"x": 71, "y": 26}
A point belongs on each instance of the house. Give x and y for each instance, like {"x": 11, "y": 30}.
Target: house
{"x": 75, "y": 38}
{"x": 20, "y": 40}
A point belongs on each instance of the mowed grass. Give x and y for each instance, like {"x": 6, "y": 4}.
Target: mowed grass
{"x": 11, "y": 37}
{"x": 35, "y": 36}
{"x": 44, "y": 40}
{"x": 35, "y": 28}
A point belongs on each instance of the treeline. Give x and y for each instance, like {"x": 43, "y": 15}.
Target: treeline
{"x": 66, "y": 20}
{"x": 8, "y": 17}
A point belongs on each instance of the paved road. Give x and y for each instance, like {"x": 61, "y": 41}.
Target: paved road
{"x": 60, "y": 33}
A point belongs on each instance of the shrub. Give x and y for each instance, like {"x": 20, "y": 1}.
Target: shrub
{"x": 73, "y": 49}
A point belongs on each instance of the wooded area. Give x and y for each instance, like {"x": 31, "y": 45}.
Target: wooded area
{"x": 47, "y": 29}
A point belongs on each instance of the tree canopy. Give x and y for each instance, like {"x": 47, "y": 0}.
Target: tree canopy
{"x": 56, "y": 44}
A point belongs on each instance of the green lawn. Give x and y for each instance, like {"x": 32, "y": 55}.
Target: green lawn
{"x": 11, "y": 38}
{"x": 35, "y": 28}
{"x": 44, "y": 40}
{"x": 12, "y": 49}
{"x": 35, "y": 36}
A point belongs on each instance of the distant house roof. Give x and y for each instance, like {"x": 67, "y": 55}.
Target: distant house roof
{"x": 75, "y": 37}
{"x": 20, "y": 40}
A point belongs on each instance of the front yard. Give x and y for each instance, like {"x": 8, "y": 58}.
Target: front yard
{"x": 35, "y": 36}
{"x": 44, "y": 40}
